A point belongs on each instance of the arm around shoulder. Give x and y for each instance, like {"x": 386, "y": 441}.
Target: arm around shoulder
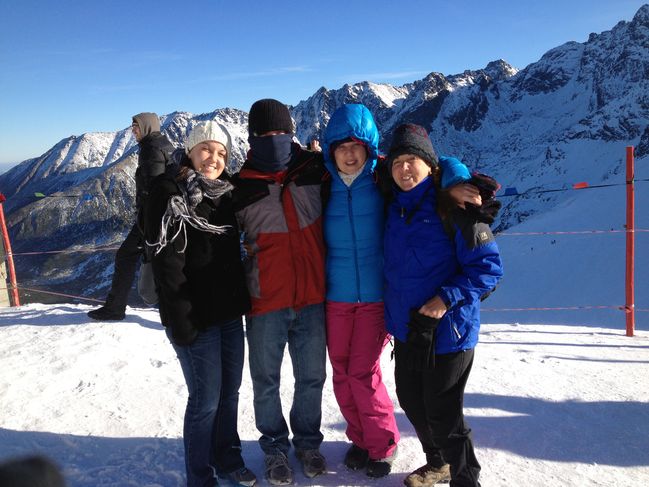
{"x": 479, "y": 260}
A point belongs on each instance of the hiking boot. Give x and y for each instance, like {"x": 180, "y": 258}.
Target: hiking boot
{"x": 356, "y": 458}
{"x": 106, "y": 314}
{"x": 382, "y": 466}
{"x": 278, "y": 471}
{"x": 378, "y": 468}
{"x": 427, "y": 476}
{"x": 313, "y": 463}
{"x": 242, "y": 477}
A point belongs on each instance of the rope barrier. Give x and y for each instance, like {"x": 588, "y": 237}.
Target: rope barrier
{"x": 54, "y": 294}
{"x": 562, "y": 308}
{"x": 67, "y": 251}
{"x": 575, "y": 187}
{"x": 574, "y": 232}
{"x": 551, "y": 309}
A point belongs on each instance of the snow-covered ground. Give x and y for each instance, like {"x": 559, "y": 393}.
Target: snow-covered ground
{"x": 549, "y": 404}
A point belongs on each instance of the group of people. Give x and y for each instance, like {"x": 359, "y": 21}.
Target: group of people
{"x": 342, "y": 249}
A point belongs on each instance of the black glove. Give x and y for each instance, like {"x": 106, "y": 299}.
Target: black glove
{"x": 486, "y": 213}
{"x": 421, "y": 341}
{"x": 487, "y": 186}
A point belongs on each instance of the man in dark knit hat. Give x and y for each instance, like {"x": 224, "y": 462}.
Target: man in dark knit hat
{"x": 278, "y": 205}
{"x": 155, "y": 149}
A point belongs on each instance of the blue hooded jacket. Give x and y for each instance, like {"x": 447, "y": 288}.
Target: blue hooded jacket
{"x": 422, "y": 261}
{"x": 354, "y": 216}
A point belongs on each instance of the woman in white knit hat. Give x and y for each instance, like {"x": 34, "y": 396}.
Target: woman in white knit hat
{"x": 193, "y": 234}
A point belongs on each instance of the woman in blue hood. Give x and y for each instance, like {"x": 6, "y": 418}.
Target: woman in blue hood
{"x": 353, "y": 231}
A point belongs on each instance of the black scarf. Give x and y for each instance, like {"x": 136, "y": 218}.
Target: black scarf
{"x": 271, "y": 153}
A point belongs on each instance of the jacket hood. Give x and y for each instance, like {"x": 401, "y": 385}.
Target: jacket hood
{"x": 355, "y": 121}
{"x": 148, "y": 122}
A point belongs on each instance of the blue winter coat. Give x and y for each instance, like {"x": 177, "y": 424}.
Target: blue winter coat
{"x": 354, "y": 216}
{"x": 421, "y": 261}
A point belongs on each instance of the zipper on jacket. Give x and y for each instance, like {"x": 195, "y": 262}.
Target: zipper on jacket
{"x": 457, "y": 332}
{"x": 351, "y": 222}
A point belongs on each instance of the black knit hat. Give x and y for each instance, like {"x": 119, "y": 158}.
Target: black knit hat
{"x": 267, "y": 115}
{"x": 412, "y": 139}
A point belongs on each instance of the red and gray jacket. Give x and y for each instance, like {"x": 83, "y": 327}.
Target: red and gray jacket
{"x": 280, "y": 215}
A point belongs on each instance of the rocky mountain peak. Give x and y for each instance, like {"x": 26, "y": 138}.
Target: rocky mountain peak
{"x": 500, "y": 70}
{"x": 642, "y": 16}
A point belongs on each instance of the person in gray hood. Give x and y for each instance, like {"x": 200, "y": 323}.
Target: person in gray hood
{"x": 155, "y": 149}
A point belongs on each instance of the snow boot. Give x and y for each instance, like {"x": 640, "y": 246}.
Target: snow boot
{"x": 380, "y": 467}
{"x": 427, "y": 476}
{"x": 106, "y": 314}
{"x": 356, "y": 458}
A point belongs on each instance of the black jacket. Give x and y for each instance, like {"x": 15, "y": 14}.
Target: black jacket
{"x": 155, "y": 150}
{"x": 204, "y": 285}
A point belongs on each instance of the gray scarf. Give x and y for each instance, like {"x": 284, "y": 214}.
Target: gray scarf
{"x": 181, "y": 209}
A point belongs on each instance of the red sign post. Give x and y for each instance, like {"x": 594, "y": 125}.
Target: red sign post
{"x": 10, "y": 258}
{"x": 629, "y": 307}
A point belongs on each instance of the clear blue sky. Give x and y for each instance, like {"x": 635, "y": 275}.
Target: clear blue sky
{"x": 69, "y": 66}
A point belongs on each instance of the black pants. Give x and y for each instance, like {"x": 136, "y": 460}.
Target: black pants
{"x": 126, "y": 263}
{"x": 433, "y": 401}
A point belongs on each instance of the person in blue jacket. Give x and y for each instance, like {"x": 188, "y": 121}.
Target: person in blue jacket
{"x": 353, "y": 231}
{"x": 354, "y": 220}
{"x": 439, "y": 261}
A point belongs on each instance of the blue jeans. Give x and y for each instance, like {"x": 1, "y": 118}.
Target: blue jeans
{"x": 268, "y": 334}
{"x": 212, "y": 366}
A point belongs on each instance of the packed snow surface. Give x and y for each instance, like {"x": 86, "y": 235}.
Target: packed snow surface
{"x": 548, "y": 404}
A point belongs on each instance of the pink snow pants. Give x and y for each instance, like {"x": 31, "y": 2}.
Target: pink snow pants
{"x": 356, "y": 337}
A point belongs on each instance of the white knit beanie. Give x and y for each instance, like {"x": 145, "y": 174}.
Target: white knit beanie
{"x": 210, "y": 130}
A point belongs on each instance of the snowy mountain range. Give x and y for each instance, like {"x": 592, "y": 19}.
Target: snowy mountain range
{"x": 564, "y": 119}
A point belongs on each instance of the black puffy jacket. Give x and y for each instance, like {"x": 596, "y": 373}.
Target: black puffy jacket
{"x": 155, "y": 150}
